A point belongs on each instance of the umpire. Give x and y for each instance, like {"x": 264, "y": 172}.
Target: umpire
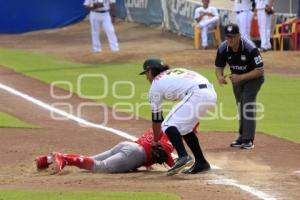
{"x": 247, "y": 77}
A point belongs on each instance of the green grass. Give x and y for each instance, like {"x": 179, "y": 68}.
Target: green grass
{"x": 12, "y": 195}
{"x": 279, "y": 94}
{"x": 7, "y": 121}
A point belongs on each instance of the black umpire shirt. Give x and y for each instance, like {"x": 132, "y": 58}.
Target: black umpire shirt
{"x": 246, "y": 59}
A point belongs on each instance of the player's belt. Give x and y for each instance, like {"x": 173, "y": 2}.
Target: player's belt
{"x": 240, "y": 11}
{"x": 101, "y": 11}
{"x": 202, "y": 86}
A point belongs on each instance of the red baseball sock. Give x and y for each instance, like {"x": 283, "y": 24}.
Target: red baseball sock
{"x": 80, "y": 161}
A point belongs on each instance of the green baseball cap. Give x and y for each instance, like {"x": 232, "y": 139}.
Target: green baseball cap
{"x": 152, "y": 63}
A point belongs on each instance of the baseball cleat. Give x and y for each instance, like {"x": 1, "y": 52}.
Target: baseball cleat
{"x": 247, "y": 145}
{"x": 58, "y": 162}
{"x": 236, "y": 143}
{"x": 181, "y": 163}
{"x": 196, "y": 168}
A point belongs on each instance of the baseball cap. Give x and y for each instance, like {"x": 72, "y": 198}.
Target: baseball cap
{"x": 231, "y": 30}
{"x": 152, "y": 63}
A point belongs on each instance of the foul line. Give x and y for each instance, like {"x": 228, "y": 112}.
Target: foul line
{"x": 221, "y": 180}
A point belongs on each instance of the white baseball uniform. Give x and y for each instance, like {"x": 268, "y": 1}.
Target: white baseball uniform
{"x": 207, "y": 22}
{"x": 244, "y": 14}
{"x": 264, "y": 24}
{"x": 195, "y": 93}
{"x": 101, "y": 18}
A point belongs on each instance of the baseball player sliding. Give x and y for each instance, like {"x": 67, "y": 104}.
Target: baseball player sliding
{"x": 123, "y": 157}
{"x": 102, "y": 15}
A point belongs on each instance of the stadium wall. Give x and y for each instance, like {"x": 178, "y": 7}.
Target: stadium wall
{"x": 174, "y": 15}
{"x": 23, "y": 16}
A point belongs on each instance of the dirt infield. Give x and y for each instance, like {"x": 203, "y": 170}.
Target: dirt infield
{"x": 271, "y": 167}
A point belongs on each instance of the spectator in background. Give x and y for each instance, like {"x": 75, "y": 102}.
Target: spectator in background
{"x": 102, "y": 15}
{"x": 244, "y": 14}
{"x": 206, "y": 17}
{"x": 264, "y": 10}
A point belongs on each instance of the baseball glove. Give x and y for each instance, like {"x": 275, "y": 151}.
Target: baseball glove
{"x": 159, "y": 154}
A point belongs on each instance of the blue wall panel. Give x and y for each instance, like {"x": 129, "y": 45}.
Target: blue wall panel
{"x": 17, "y": 16}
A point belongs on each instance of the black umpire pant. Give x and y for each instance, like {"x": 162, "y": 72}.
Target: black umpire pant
{"x": 245, "y": 93}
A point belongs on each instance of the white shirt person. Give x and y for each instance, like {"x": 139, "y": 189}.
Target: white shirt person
{"x": 206, "y": 17}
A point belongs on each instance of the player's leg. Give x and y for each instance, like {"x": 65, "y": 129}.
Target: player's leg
{"x": 241, "y": 23}
{"x": 171, "y": 126}
{"x": 251, "y": 89}
{"x": 108, "y": 153}
{"x": 80, "y": 161}
{"x": 129, "y": 156}
{"x": 248, "y": 23}
{"x": 238, "y": 94}
{"x": 268, "y": 26}
{"x": 110, "y": 32}
{"x": 201, "y": 163}
{"x": 95, "y": 31}
{"x": 261, "y": 17}
{"x": 201, "y": 102}
{"x": 204, "y": 32}
{"x": 186, "y": 114}
{"x": 85, "y": 162}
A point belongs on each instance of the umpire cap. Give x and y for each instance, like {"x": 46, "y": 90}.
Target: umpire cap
{"x": 152, "y": 63}
{"x": 231, "y": 30}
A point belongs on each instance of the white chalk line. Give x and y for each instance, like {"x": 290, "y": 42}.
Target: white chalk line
{"x": 220, "y": 180}
{"x": 231, "y": 182}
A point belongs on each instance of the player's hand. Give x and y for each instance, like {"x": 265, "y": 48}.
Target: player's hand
{"x": 199, "y": 18}
{"x": 235, "y": 78}
{"x": 222, "y": 80}
{"x": 209, "y": 14}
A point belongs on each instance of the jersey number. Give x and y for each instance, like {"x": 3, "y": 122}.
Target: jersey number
{"x": 174, "y": 71}
{"x": 258, "y": 60}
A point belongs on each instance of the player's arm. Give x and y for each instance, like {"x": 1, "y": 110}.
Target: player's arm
{"x": 112, "y": 11}
{"x": 156, "y": 126}
{"x": 214, "y": 13}
{"x": 198, "y": 15}
{"x": 220, "y": 75}
{"x": 157, "y": 114}
{"x": 220, "y": 63}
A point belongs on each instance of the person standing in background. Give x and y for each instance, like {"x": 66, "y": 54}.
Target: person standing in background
{"x": 102, "y": 14}
{"x": 206, "y": 17}
{"x": 244, "y": 14}
{"x": 264, "y": 10}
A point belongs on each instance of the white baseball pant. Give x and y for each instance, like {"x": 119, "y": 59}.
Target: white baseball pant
{"x": 192, "y": 108}
{"x": 102, "y": 19}
{"x": 264, "y": 25}
{"x": 244, "y": 20}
